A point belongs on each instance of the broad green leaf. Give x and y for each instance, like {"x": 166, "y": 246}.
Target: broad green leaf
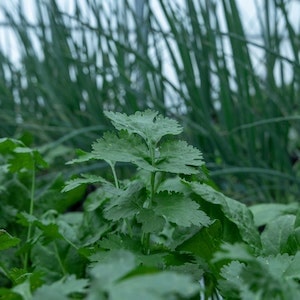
{"x": 117, "y": 242}
{"x": 232, "y": 285}
{"x": 109, "y": 276}
{"x": 24, "y": 290}
{"x": 179, "y": 209}
{"x": 20, "y": 156}
{"x": 50, "y": 229}
{"x": 205, "y": 242}
{"x": 266, "y": 276}
{"x": 7, "y": 293}
{"x": 276, "y": 234}
{"x": 7, "y": 241}
{"x": 7, "y": 145}
{"x": 151, "y": 222}
{"x": 276, "y": 264}
{"x": 112, "y": 267}
{"x": 60, "y": 290}
{"x": 34, "y": 155}
{"x": 155, "y": 286}
{"x": 148, "y": 124}
{"x": 102, "y": 194}
{"x": 127, "y": 204}
{"x": 20, "y": 275}
{"x": 95, "y": 199}
{"x": 266, "y": 212}
{"x": 261, "y": 278}
{"x": 236, "y": 212}
{"x": 174, "y": 184}
{"x": 237, "y": 251}
{"x": 180, "y": 158}
{"x": 122, "y": 148}
{"x": 293, "y": 270}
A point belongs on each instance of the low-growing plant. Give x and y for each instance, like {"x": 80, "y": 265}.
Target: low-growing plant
{"x": 161, "y": 232}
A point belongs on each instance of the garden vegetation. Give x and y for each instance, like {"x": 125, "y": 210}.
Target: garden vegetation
{"x": 191, "y": 186}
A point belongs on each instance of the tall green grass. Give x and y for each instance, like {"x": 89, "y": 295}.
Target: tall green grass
{"x": 243, "y": 113}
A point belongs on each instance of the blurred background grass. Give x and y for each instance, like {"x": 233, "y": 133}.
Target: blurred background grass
{"x": 193, "y": 62}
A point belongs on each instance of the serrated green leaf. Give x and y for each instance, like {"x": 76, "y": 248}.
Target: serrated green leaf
{"x": 266, "y": 276}
{"x": 237, "y": 251}
{"x": 276, "y": 264}
{"x": 117, "y": 242}
{"x": 260, "y": 278}
{"x": 7, "y": 241}
{"x": 111, "y": 275}
{"x": 264, "y": 213}
{"x": 232, "y": 284}
{"x": 151, "y": 222}
{"x": 50, "y": 230}
{"x": 20, "y": 157}
{"x": 126, "y": 204}
{"x": 27, "y": 158}
{"x": 275, "y": 236}
{"x": 122, "y": 148}
{"x": 205, "y": 242}
{"x": 61, "y": 289}
{"x": 87, "y": 179}
{"x": 114, "y": 265}
{"x": 174, "y": 184}
{"x": 7, "y": 145}
{"x": 293, "y": 270}
{"x": 84, "y": 157}
{"x": 236, "y": 212}
{"x": 179, "y": 209}
{"x": 148, "y": 124}
{"x": 180, "y": 158}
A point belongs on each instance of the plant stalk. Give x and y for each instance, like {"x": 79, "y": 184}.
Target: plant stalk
{"x": 31, "y": 207}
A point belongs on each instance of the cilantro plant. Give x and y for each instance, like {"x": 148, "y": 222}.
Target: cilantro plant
{"x": 157, "y": 230}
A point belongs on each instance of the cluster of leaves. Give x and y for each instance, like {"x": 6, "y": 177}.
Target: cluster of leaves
{"x": 163, "y": 233}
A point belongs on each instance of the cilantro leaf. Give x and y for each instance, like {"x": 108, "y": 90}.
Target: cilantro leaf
{"x": 275, "y": 236}
{"x": 180, "y": 158}
{"x": 7, "y": 241}
{"x": 61, "y": 289}
{"x": 111, "y": 276}
{"x": 112, "y": 267}
{"x": 122, "y": 148}
{"x": 179, "y": 209}
{"x": 20, "y": 157}
{"x": 126, "y": 204}
{"x": 150, "y": 221}
{"x": 236, "y": 212}
{"x": 148, "y": 124}
{"x": 157, "y": 286}
{"x": 87, "y": 178}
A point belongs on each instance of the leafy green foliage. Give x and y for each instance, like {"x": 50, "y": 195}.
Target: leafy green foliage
{"x": 7, "y": 241}
{"x": 152, "y": 234}
{"x": 245, "y": 118}
{"x": 149, "y": 125}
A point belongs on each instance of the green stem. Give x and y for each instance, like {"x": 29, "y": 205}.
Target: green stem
{"x": 112, "y": 165}
{"x": 59, "y": 259}
{"x": 146, "y": 236}
{"x": 31, "y": 205}
{"x": 4, "y": 270}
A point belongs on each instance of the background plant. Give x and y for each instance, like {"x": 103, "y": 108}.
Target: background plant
{"x": 163, "y": 232}
{"x": 243, "y": 116}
